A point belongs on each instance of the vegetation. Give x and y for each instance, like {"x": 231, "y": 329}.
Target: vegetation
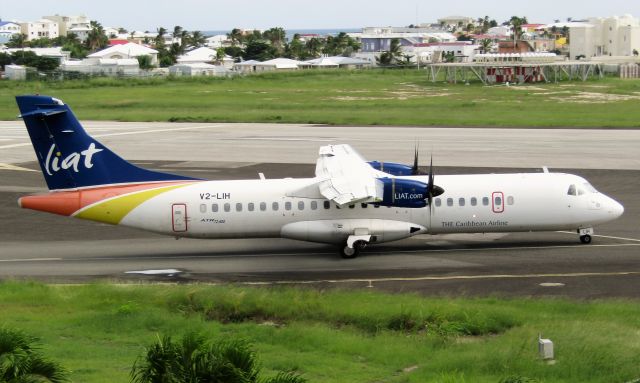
{"x": 98, "y": 331}
{"x": 342, "y": 97}
{"x": 196, "y": 359}
{"x": 21, "y": 360}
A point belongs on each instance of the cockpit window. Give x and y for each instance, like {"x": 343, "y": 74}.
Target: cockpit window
{"x": 572, "y": 190}
{"x": 580, "y": 191}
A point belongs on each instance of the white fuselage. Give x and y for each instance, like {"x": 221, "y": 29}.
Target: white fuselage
{"x": 294, "y": 208}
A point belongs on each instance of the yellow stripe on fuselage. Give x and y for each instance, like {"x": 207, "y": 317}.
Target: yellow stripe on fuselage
{"x": 115, "y": 209}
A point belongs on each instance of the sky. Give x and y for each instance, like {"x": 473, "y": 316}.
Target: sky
{"x": 303, "y": 14}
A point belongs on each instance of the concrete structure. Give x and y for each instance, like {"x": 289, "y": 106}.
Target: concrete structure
{"x": 462, "y": 51}
{"x": 279, "y": 64}
{"x": 198, "y": 69}
{"x": 104, "y": 67}
{"x": 339, "y": 62}
{"x": 217, "y": 41}
{"x": 78, "y": 25}
{"x": 55, "y": 52}
{"x": 205, "y": 55}
{"x": 125, "y": 51}
{"x": 456, "y": 21}
{"x": 246, "y": 66}
{"x": 7, "y": 30}
{"x": 39, "y": 29}
{"x": 375, "y": 39}
{"x": 15, "y": 72}
{"x": 613, "y": 36}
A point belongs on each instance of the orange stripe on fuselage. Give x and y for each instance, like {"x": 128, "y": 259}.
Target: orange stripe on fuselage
{"x": 68, "y": 202}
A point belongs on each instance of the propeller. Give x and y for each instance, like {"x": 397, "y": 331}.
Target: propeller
{"x": 415, "y": 170}
{"x": 433, "y": 190}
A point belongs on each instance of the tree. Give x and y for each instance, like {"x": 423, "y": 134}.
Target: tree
{"x": 236, "y": 37}
{"x": 276, "y": 36}
{"x": 517, "y": 23}
{"x": 196, "y": 359}
{"x": 391, "y": 56}
{"x": 30, "y": 59}
{"x": 21, "y": 361}
{"x": 5, "y": 59}
{"x": 17, "y": 41}
{"x": 485, "y": 45}
{"x": 258, "y": 50}
{"x": 197, "y": 39}
{"x": 313, "y": 46}
{"x": 96, "y": 38}
{"x": 144, "y": 62}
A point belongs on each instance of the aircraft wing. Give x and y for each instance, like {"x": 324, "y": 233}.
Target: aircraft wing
{"x": 346, "y": 178}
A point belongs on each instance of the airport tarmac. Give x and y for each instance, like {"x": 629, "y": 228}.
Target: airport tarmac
{"x": 59, "y": 249}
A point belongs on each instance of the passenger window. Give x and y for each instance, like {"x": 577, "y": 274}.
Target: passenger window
{"x": 238, "y": 206}
{"x": 498, "y": 201}
{"x": 214, "y": 207}
{"x": 327, "y": 204}
{"x": 287, "y": 205}
{"x": 485, "y": 201}
{"x": 438, "y": 202}
{"x": 251, "y": 206}
{"x": 227, "y": 207}
{"x": 510, "y": 200}
{"x": 461, "y": 202}
{"x": 263, "y": 206}
{"x": 203, "y": 208}
{"x": 275, "y": 206}
{"x": 300, "y": 205}
{"x": 314, "y": 205}
{"x": 474, "y": 201}
{"x": 449, "y": 201}
{"x": 572, "y": 190}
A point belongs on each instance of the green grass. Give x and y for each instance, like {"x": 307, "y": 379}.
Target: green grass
{"x": 97, "y": 331}
{"x": 368, "y": 97}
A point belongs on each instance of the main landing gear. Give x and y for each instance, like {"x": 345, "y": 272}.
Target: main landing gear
{"x": 585, "y": 235}
{"x": 354, "y": 244}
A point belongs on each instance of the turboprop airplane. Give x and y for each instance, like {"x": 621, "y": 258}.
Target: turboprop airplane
{"x": 350, "y": 202}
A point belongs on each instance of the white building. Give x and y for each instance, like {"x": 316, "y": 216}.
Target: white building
{"x": 199, "y": 69}
{"x": 53, "y": 52}
{"x": 339, "y": 62}
{"x": 205, "y": 55}
{"x": 125, "y": 51}
{"x": 246, "y": 66}
{"x": 456, "y": 21}
{"x": 462, "y": 51}
{"x": 217, "y": 41}
{"x": 279, "y": 64}
{"x": 7, "y": 30}
{"x": 39, "y": 29}
{"x": 78, "y": 25}
{"x": 612, "y": 36}
{"x": 15, "y": 72}
{"x": 106, "y": 67}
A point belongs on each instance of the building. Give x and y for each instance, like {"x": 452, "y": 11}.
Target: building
{"x": 456, "y": 21}
{"x": 7, "y": 30}
{"x": 104, "y": 67}
{"x": 199, "y": 69}
{"x": 55, "y": 52}
{"x": 217, "y": 41}
{"x": 125, "y": 51}
{"x": 15, "y": 72}
{"x": 378, "y": 39}
{"x": 612, "y": 36}
{"x": 205, "y": 55}
{"x": 246, "y": 66}
{"x": 339, "y": 62}
{"x": 279, "y": 64}
{"x": 461, "y": 51}
{"x": 39, "y": 29}
{"x": 78, "y": 25}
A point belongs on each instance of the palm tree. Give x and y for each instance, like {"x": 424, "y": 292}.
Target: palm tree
{"x": 195, "y": 359}
{"x": 235, "y": 36}
{"x": 197, "y": 39}
{"x": 96, "y": 38}
{"x": 485, "y": 45}
{"x": 313, "y": 46}
{"x": 20, "y": 360}
{"x": 159, "y": 39}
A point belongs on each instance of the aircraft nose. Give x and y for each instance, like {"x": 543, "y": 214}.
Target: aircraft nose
{"x": 615, "y": 208}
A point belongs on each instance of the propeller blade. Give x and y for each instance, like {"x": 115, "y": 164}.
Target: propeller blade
{"x": 414, "y": 169}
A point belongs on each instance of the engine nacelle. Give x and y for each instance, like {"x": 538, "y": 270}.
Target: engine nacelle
{"x": 392, "y": 168}
{"x": 403, "y": 193}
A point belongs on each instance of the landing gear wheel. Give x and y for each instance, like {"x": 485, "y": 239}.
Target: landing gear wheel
{"x": 349, "y": 253}
{"x": 585, "y": 238}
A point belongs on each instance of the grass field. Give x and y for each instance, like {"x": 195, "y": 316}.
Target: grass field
{"x": 97, "y": 331}
{"x": 370, "y": 97}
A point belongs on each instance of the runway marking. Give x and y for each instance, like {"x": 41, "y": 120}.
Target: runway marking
{"x": 604, "y": 236}
{"x": 14, "y": 167}
{"x": 31, "y": 260}
{"x": 448, "y": 278}
{"x": 515, "y": 248}
{"x": 126, "y": 134}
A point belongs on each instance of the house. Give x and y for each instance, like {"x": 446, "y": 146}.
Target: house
{"x": 39, "y": 29}
{"x": 612, "y": 36}
{"x": 462, "y": 51}
{"x": 198, "y": 69}
{"x": 246, "y": 66}
{"x": 374, "y": 39}
{"x": 217, "y": 41}
{"x": 125, "y": 51}
{"x": 339, "y": 62}
{"x": 55, "y": 52}
{"x": 15, "y": 72}
{"x": 456, "y": 21}
{"x": 279, "y": 64}
{"x": 104, "y": 66}
{"x": 78, "y": 25}
{"x": 7, "y": 30}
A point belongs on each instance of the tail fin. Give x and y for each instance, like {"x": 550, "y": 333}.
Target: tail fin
{"x": 68, "y": 156}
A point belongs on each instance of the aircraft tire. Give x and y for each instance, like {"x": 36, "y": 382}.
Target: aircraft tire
{"x": 585, "y": 238}
{"x": 348, "y": 252}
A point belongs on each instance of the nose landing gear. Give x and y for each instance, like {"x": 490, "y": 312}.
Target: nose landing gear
{"x": 585, "y": 235}
{"x": 354, "y": 244}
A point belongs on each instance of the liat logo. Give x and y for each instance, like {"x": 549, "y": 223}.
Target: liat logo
{"x": 72, "y": 161}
